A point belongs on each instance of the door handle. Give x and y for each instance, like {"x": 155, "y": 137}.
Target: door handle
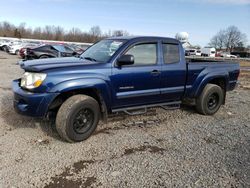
{"x": 155, "y": 72}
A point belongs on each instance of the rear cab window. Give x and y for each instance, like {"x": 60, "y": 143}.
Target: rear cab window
{"x": 171, "y": 53}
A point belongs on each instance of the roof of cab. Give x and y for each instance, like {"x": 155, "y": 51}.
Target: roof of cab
{"x": 145, "y": 38}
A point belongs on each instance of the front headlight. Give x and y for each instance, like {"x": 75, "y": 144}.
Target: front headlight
{"x": 32, "y": 80}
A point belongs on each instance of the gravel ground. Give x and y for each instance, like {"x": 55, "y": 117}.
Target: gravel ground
{"x": 178, "y": 148}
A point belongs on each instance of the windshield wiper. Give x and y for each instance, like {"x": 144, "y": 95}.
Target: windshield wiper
{"x": 89, "y": 58}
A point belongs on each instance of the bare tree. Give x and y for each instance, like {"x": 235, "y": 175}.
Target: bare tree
{"x": 59, "y": 33}
{"x": 22, "y": 30}
{"x": 234, "y": 38}
{"x": 17, "y": 33}
{"x": 95, "y": 33}
{"x": 28, "y": 33}
{"x": 229, "y": 39}
{"x": 56, "y": 33}
{"x": 7, "y": 29}
{"x": 48, "y": 32}
{"x": 118, "y": 33}
{"x": 218, "y": 40}
{"x": 37, "y": 33}
{"x": 74, "y": 35}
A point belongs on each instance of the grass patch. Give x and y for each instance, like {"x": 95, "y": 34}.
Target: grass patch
{"x": 245, "y": 63}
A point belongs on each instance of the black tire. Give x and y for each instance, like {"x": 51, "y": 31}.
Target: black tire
{"x": 210, "y": 100}
{"x": 43, "y": 57}
{"x": 77, "y": 118}
{"x": 5, "y": 48}
{"x": 16, "y": 52}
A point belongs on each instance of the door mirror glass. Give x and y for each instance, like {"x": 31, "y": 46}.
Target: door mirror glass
{"x": 125, "y": 60}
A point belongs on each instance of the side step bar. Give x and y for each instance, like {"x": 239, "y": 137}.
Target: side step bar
{"x": 138, "y": 110}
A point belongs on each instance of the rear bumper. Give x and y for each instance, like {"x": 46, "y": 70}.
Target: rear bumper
{"x": 233, "y": 85}
{"x": 31, "y": 104}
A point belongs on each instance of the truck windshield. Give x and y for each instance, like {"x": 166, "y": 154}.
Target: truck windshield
{"x": 102, "y": 51}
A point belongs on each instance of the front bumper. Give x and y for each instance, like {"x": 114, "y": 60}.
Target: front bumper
{"x": 31, "y": 104}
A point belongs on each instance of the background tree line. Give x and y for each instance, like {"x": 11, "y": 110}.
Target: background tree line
{"x": 228, "y": 39}
{"x": 50, "y": 32}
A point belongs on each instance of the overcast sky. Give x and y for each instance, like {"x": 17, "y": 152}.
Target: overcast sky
{"x": 200, "y": 18}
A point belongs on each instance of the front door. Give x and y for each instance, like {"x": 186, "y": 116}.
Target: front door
{"x": 139, "y": 83}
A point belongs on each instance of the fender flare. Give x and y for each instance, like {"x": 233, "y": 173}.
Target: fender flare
{"x": 208, "y": 78}
{"x": 100, "y": 86}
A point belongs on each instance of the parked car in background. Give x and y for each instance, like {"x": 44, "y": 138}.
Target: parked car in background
{"x": 198, "y": 52}
{"x": 49, "y": 51}
{"x": 23, "y": 51}
{"x": 227, "y": 55}
{"x": 13, "y": 44}
{"x": 208, "y": 52}
{"x": 4, "y": 45}
{"x": 194, "y": 52}
{"x": 15, "y": 48}
{"x": 76, "y": 48}
{"x": 84, "y": 46}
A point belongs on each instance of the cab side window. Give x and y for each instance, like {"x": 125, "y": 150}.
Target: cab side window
{"x": 171, "y": 53}
{"x": 144, "y": 54}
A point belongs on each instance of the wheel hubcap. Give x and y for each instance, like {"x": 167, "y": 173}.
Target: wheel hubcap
{"x": 83, "y": 120}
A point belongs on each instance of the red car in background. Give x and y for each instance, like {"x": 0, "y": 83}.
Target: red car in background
{"x": 23, "y": 51}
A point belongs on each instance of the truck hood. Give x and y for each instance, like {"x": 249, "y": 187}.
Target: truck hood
{"x": 53, "y": 63}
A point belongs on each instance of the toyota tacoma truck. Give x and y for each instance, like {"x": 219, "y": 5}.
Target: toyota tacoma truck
{"x": 122, "y": 74}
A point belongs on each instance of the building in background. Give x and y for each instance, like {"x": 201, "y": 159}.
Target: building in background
{"x": 241, "y": 52}
{"x": 183, "y": 38}
{"x": 190, "y": 50}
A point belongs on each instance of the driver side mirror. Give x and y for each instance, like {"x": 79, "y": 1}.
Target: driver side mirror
{"x": 125, "y": 60}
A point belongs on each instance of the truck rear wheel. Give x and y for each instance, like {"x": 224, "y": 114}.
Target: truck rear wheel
{"x": 210, "y": 100}
{"x": 77, "y": 118}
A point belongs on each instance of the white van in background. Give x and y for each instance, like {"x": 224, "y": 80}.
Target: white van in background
{"x": 193, "y": 52}
{"x": 208, "y": 52}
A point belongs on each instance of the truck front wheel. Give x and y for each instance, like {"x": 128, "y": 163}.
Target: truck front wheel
{"x": 77, "y": 118}
{"x": 210, "y": 100}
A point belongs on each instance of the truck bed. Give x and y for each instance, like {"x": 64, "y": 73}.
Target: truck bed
{"x": 199, "y": 70}
{"x": 194, "y": 59}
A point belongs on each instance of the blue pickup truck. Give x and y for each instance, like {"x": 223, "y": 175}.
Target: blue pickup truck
{"x": 121, "y": 74}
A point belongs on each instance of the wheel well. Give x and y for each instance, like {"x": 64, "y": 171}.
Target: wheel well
{"x": 59, "y": 100}
{"x": 220, "y": 82}
{"x": 44, "y": 55}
